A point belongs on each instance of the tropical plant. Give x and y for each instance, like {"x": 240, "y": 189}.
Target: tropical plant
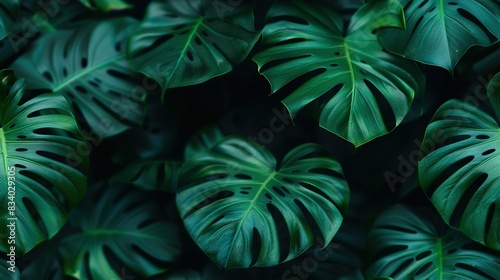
{"x": 241, "y": 197}
{"x": 99, "y": 85}
{"x": 364, "y": 92}
{"x": 408, "y": 243}
{"x": 182, "y": 43}
{"x": 43, "y": 174}
{"x": 130, "y": 227}
{"x": 231, "y": 139}
{"x": 440, "y": 32}
{"x": 461, "y": 177}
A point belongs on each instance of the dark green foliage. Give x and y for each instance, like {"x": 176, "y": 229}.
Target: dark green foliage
{"x": 231, "y": 139}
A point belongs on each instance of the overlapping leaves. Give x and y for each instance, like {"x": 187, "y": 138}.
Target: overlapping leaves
{"x": 40, "y": 155}
{"x": 98, "y": 84}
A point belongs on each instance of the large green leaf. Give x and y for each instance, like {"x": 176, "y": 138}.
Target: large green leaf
{"x": 119, "y": 225}
{"x": 235, "y": 195}
{"x": 182, "y": 43}
{"x": 40, "y": 140}
{"x": 8, "y": 14}
{"x": 364, "y": 91}
{"x": 407, "y": 243}
{"x": 88, "y": 66}
{"x": 439, "y": 32}
{"x": 106, "y": 5}
{"x": 462, "y": 176}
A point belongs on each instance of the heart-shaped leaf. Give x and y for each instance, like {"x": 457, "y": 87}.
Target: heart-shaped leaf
{"x": 182, "y": 43}
{"x": 42, "y": 166}
{"x": 364, "y": 91}
{"x": 98, "y": 84}
{"x": 123, "y": 225}
{"x": 462, "y": 176}
{"x": 439, "y": 32}
{"x": 239, "y": 206}
{"x": 106, "y": 5}
{"x": 407, "y": 243}
{"x": 8, "y": 14}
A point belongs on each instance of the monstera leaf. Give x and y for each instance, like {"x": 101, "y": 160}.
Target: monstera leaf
{"x": 41, "y": 164}
{"x": 8, "y": 14}
{"x": 106, "y": 5}
{"x": 234, "y": 198}
{"x": 364, "y": 91}
{"x": 182, "y": 43}
{"x": 462, "y": 176}
{"x": 439, "y": 32}
{"x": 407, "y": 243}
{"x": 98, "y": 84}
{"x": 150, "y": 175}
{"x": 132, "y": 233}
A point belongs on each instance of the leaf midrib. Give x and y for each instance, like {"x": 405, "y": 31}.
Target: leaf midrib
{"x": 262, "y": 187}
{"x": 353, "y": 80}
{"x": 186, "y": 45}
{"x": 440, "y": 258}
{"x": 87, "y": 72}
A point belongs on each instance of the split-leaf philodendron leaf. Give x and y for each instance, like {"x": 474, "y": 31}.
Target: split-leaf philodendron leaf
{"x": 234, "y": 197}
{"x": 364, "y": 92}
{"x": 42, "y": 169}
{"x": 182, "y": 43}
{"x": 132, "y": 232}
{"x": 8, "y": 14}
{"x": 462, "y": 176}
{"x": 98, "y": 84}
{"x": 407, "y": 243}
{"x": 439, "y": 32}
